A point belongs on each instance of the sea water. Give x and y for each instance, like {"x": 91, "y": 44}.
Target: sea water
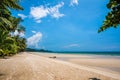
{"x": 92, "y": 53}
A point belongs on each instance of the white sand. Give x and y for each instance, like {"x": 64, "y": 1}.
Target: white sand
{"x": 34, "y": 67}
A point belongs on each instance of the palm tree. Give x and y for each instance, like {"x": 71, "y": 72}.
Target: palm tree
{"x": 20, "y": 42}
{"x": 5, "y": 14}
{"x": 8, "y": 23}
{"x": 7, "y": 44}
{"x": 3, "y": 36}
{"x": 12, "y": 4}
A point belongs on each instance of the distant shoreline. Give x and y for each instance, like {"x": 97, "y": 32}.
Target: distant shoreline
{"x": 84, "y": 53}
{"x": 112, "y": 53}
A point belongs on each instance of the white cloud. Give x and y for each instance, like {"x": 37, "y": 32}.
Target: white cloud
{"x": 111, "y": 47}
{"x": 33, "y": 31}
{"x": 16, "y": 33}
{"x": 21, "y": 34}
{"x": 40, "y": 12}
{"x": 72, "y": 45}
{"x": 38, "y": 21}
{"x": 22, "y": 16}
{"x": 73, "y": 2}
{"x": 54, "y": 11}
{"x": 34, "y": 40}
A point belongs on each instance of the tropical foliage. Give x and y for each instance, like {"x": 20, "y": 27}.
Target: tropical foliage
{"x": 9, "y": 43}
{"x": 113, "y": 17}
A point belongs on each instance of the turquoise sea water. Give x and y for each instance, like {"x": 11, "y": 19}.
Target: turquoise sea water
{"x": 92, "y": 53}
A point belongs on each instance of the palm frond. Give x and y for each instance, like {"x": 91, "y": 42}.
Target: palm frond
{"x": 12, "y": 4}
{"x": 4, "y": 22}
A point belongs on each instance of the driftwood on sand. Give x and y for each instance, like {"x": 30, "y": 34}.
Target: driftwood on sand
{"x": 53, "y": 57}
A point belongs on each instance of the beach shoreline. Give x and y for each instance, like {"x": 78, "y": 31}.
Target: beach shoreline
{"x": 57, "y": 68}
{"x": 103, "y": 61}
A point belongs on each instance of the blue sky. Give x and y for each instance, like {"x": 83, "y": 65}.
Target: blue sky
{"x": 67, "y": 25}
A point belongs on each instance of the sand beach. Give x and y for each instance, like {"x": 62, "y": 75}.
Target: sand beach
{"x": 42, "y": 66}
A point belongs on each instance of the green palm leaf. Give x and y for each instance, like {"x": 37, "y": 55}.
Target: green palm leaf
{"x": 3, "y": 22}
{"x": 13, "y": 4}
